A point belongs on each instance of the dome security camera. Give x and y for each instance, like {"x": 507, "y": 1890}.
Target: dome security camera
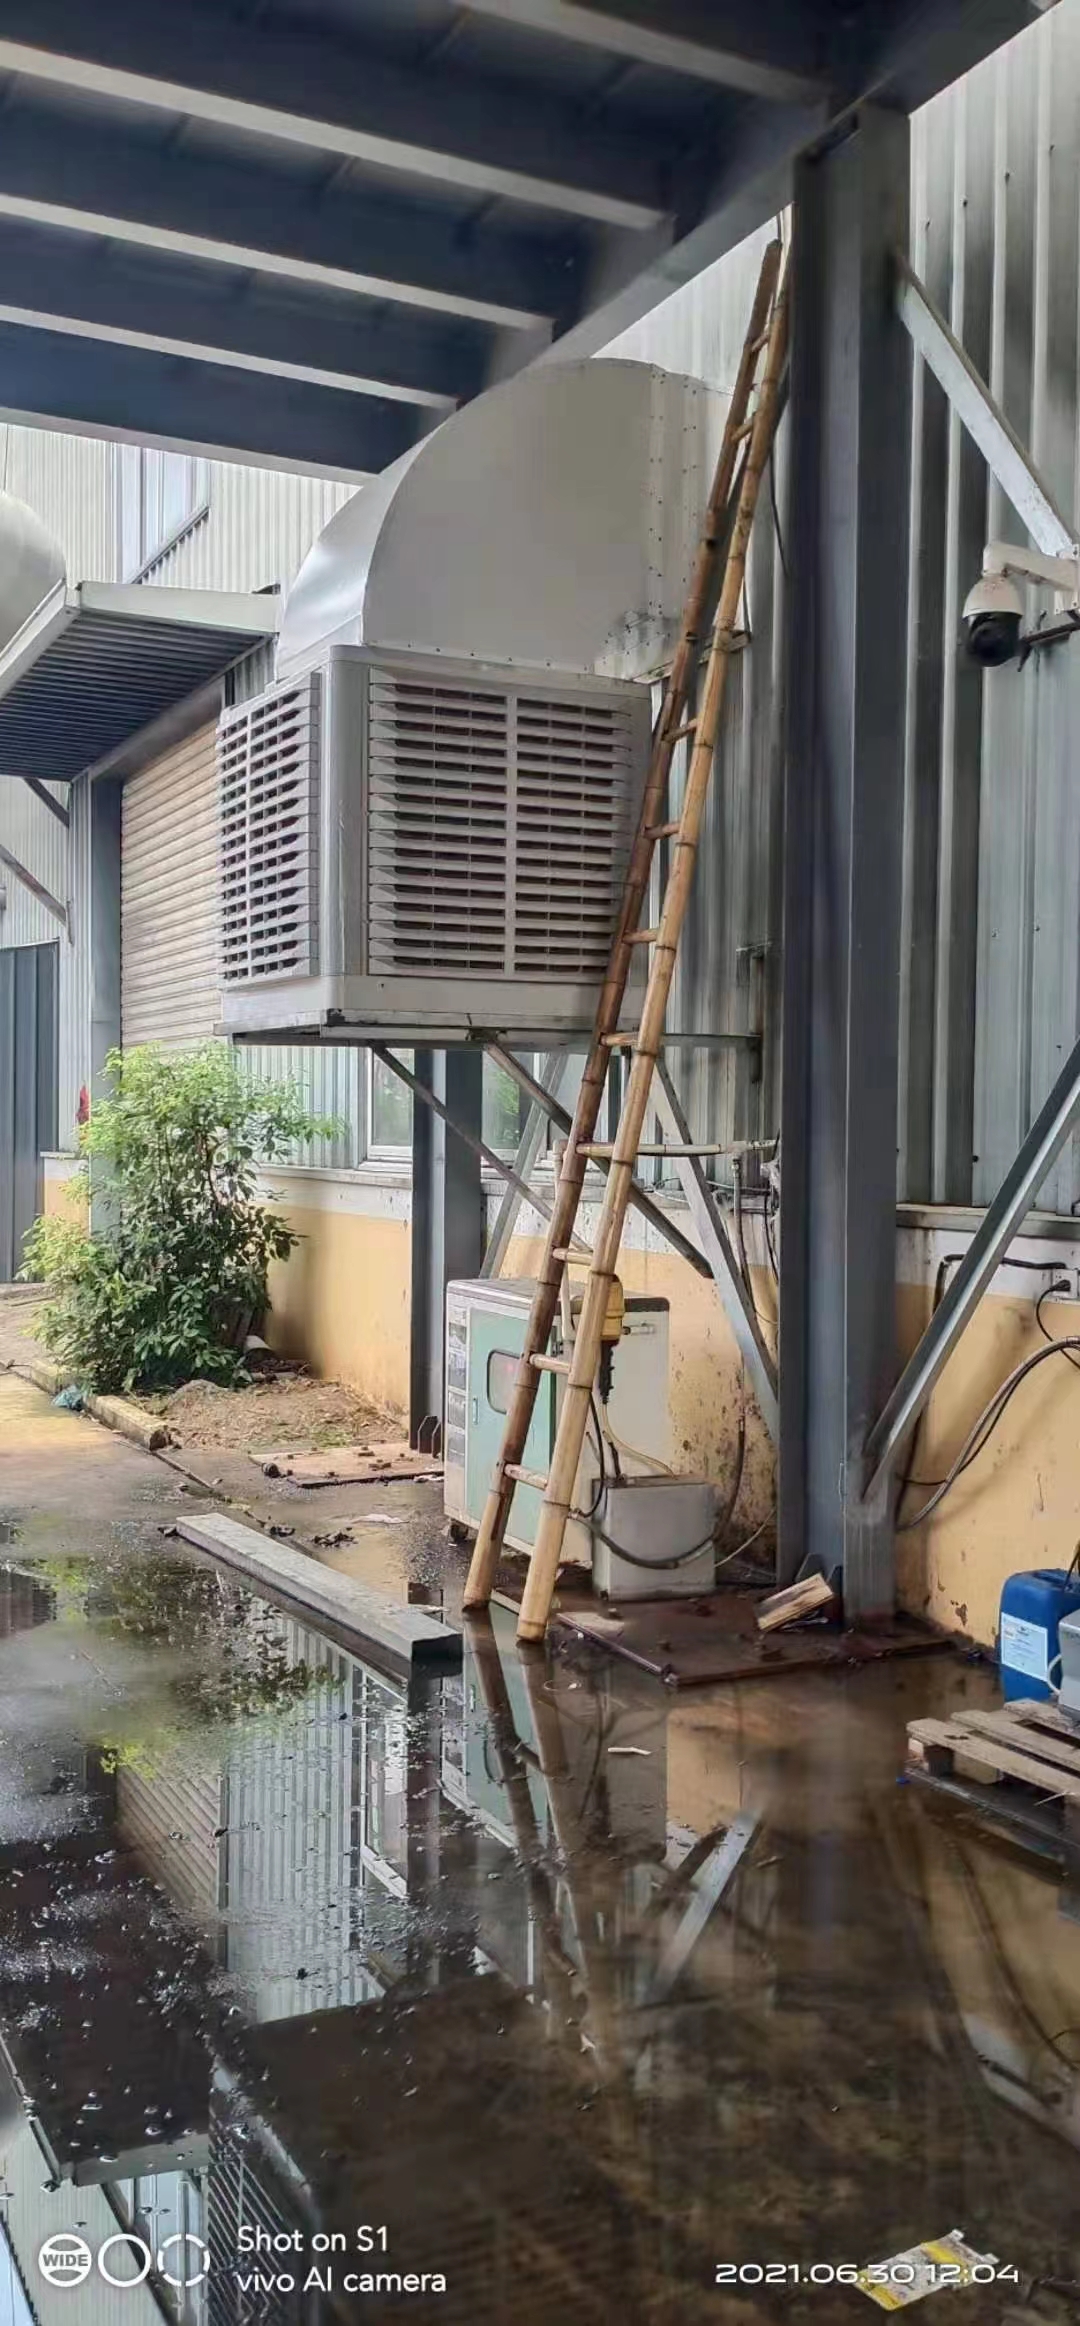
{"x": 992, "y": 617}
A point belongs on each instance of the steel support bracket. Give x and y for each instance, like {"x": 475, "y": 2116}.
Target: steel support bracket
{"x": 735, "y": 1294}
{"x": 36, "y": 889}
{"x": 1014, "y": 1199}
{"x": 971, "y": 400}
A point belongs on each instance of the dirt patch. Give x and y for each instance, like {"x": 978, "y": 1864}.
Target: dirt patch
{"x": 20, "y": 1305}
{"x": 284, "y": 1409}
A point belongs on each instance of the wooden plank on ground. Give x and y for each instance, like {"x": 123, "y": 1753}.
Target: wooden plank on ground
{"x": 404, "y": 1635}
{"x": 795, "y": 1602}
{"x": 348, "y": 1465}
{"x": 1057, "y": 1750}
{"x": 930, "y": 1738}
{"x": 1036, "y": 1712}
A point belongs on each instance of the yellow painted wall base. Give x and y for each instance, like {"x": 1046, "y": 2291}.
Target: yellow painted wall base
{"x": 706, "y": 1378}
{"x": 1019, "y": 1505}
{"x": 341, "y": 1301}
{"x": 64, "y": 1194}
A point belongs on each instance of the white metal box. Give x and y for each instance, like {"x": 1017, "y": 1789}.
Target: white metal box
{"x": 413, "y": 849}
{"x": 646, "y": 1524}
{"x": 485, "y": 1332}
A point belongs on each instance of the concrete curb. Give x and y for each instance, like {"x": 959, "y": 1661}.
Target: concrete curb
{"x": 114, "y": 1413}
{"x": 373, "y": 1624}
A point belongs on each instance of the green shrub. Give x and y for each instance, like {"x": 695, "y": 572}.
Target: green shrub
{"x": 169, "y": 1287}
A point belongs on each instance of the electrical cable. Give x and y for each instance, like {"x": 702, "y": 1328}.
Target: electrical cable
{"x": 737, "y": 1212}
{"x": 1063, "y": 1285}
{"x": 770, "y": 1243}
{"x": 678, "y": 1559}
{"x": 983, "y": 1429}
{"x": 601, "y": 1457}
{"x": 776, "y": 513}
{"x": 745, "y": 1545}
{"x": 952, "y": 1260}
{"x": 636, "y": 1453}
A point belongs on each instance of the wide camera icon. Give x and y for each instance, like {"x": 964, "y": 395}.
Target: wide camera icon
{"x": 65, "y": 2260}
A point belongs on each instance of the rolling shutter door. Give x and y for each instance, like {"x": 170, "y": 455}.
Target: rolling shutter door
{"x": 169, "y": 892}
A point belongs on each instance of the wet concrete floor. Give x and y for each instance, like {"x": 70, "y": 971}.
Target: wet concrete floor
{"x": 532, "y": 1994}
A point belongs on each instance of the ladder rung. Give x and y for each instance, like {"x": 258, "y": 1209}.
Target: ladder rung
{"x": 551, "y": 1364}
{"x": 761, "y": 341}
{"x": 525, "y": 1477}
{"x": 578, "y": 1259}
{"x": 677, "y": 733}
{"x": 746, "y": 429}
{"x": 643, "y": 937}
{"x": 662, "y": 831}
{"x": 607, "y": 1147}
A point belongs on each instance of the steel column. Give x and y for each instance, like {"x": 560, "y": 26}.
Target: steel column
{"x": 104, "y": 936}
{"x": 447, "y": 1213}
{"x": 847, "y": 557}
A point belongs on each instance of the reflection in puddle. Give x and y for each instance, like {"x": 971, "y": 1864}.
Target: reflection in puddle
{"x": 532, "y": 1979}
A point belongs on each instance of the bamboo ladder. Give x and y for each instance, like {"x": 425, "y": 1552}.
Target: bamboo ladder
{"x": 747, "y": 442}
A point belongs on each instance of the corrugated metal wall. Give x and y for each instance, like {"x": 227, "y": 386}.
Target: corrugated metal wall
{"x": 332, "y": 1084}
{"x": 993, "y": 921}
{"x": 169, "y": 897}
{"x": 727, "y": 978}
{"x": 75, "y": 973}
{"x": 28, "y": 1010}
{"x": 991, "y": 1000}
{"x": 71, "y": 482}
{"x": 61, "y": 861}
{"x": 259, "y": 526}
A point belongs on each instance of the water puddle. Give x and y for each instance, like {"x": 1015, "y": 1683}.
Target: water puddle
{"x": 532, "y": 1994}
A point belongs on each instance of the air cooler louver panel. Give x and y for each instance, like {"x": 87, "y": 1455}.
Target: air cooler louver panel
{"x": 499, "y": 829}
{"x": 268, "y": 757}
{"x": 439, "y": 788}
{"x": 574, "y": 781}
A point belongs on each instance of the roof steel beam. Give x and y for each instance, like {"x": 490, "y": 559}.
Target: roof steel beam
{"x": 143, "y": 395}
{"x": 231, "y": 358}
{"x": 239, "y": 211}
{"x": 276, "y": 265}
{"x": 724, "y": 52}
{"x": 461, "y": 132}
{"x": 54, "y": 282}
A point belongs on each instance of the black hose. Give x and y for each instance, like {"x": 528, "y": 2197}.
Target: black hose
{"x": 680, "y": 1559}
{"x": 983, "y": 1429}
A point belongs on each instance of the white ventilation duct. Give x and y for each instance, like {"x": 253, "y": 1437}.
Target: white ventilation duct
{"x": 425, "y": 822}
{"x": 551, "y": 525}
{"x": 31, "y": 564}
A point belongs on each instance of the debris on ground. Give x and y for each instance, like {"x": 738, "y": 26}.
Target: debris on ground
{"x": 928, "y": 2269}
{"x": 350, "y": 1465}
{"x": 281, "y": 1407}
{"x": 795, "y": 1603}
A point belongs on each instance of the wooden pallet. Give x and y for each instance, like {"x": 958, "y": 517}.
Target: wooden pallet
{"x": 1019, "y": 1766}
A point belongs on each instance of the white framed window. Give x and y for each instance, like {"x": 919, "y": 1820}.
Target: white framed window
{"x": 390, "y": 1108}
{"x": 160, "y": 494}
{"x": 389, "y": 1105}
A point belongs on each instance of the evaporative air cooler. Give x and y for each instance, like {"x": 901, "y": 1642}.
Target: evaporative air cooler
{"x": 425, "y": 820}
